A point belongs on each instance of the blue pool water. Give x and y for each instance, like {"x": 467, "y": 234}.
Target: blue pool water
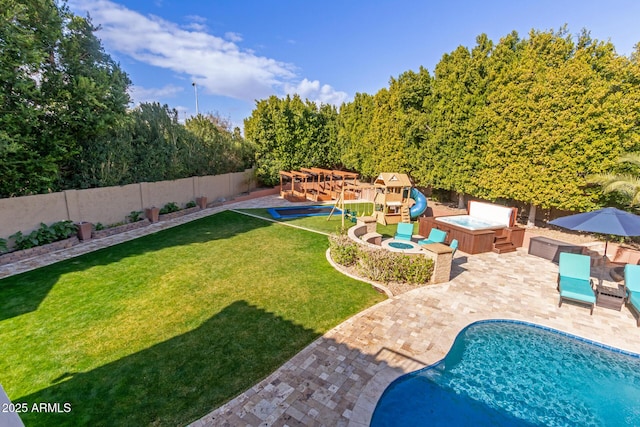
{"x": 503, "y": 373}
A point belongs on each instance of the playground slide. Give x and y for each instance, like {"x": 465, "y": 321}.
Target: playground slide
{"x": 421, "y": 203}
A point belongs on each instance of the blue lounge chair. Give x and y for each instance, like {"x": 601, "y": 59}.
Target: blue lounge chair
{"x": 574, "y": 279}
{"x": 632, "y": 285}
{"x": 453, "y": 245}
{"x": 404, "y": 231}
{"x": 435, "y": 236}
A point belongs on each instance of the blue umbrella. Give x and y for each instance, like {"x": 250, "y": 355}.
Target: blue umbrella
{"x": 603, "y": 221}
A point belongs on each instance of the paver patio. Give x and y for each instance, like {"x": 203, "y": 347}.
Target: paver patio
{"x": 337, "y": 380}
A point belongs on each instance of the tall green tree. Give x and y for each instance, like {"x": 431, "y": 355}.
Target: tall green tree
{"x": 60, "y": 96}
{"x": 380, "y": 133}
{"x": 217, "y": 148}
{"x": 289, "y": 133}
{"x": 554, "y": 116}
{"x": 453, "y": 148}
{"x": 354, "y": 121}
{"x": 626, "y": 182}
{"x": 29, "y": 154}
{"x": 92, "y": 89}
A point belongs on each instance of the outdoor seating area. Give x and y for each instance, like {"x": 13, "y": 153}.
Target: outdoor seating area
{"x": 379, "y": 344}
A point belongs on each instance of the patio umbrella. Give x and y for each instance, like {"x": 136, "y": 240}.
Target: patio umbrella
{"x": 603, "y": 221}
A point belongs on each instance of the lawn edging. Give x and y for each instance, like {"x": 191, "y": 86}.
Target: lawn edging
{"x": 20, "y": 255}
{"x": 376, "y": 285}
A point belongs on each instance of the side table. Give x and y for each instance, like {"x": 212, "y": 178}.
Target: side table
{"x": 612, "y": 298}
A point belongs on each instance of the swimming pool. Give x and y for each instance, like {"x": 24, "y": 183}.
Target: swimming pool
{"x": 302, "y": 211}
{"x": 506, "y": 373}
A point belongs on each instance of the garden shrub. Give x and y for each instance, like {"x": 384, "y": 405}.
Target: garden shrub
{"x": 45, "y": 234}
{"x": 343, "y": 250}
{"x": 169, "y": 208}
{"x": 384, "y": 266}
{"x": 191, "y": 204}
{"x": 3, "y": 246}
{"x": 380, "y": 265}
{"x": 135, "y": 216}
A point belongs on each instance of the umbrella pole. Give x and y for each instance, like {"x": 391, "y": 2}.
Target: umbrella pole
{"x": 604, "y": 261}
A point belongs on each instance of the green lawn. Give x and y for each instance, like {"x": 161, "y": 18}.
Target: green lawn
{"x": 165, "y": 328}
{"x": 326, "y": 224}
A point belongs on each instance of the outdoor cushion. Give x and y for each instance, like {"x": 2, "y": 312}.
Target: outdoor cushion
{"x": 454, "y": 245}
{"x": 634, "y": 300}
{"x": 435, "y": 236}
{"x": 577, "y": 289}
{"x": 574, "y": 279}
{"x": 574, "y": 265}
{"x": 632, "y": 277}
{"x": 404, "y": 231}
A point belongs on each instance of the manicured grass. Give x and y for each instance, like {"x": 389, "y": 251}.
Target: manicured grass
{"x": 326, "y": 224}
{"x": 165, "y": 328}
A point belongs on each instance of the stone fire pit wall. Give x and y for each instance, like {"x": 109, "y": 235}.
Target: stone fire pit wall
{"x": 442, "y": 255}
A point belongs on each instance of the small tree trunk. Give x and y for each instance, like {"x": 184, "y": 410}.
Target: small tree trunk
{"x": 461, "y": 204}
{"x": 531, "y": 221}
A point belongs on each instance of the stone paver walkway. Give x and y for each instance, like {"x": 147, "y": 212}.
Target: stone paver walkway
{"x": 337, "y": 380}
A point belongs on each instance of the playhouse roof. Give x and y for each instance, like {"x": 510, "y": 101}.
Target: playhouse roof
{"x": 390, "y": 179}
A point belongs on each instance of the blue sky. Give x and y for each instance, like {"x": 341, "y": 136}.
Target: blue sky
{"x": 241, "y": 51}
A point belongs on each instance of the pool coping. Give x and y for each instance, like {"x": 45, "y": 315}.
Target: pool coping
{"x": 377, "y": 385}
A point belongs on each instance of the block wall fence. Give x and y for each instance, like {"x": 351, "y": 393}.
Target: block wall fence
{"x": 109, "y": 205}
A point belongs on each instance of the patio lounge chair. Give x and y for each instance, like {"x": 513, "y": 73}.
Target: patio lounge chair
{"x": 404, "y": 231}
{"x": 435, "y": 236}
{"x": 574, "y": 279}
{"x": 453, "y": 245}
{"x": 632, "y": 285}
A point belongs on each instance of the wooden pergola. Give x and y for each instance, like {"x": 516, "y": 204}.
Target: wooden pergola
{"x": 317, "y": 184}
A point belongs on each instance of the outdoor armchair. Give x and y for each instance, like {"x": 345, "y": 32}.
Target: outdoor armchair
{"x": 574, "y": 279}
{"x": 435, "y": 236}
{"x": 404, "y": 231}
{"x": 632, "y": 286}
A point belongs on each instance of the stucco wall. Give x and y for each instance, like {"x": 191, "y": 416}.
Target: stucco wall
{"x": 109, "y": 205}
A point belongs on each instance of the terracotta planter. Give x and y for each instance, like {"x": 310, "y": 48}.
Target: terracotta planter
{"x": 201, "y": 202}
{"x": 152, "y": 214}
{"x": 84, "y": 230}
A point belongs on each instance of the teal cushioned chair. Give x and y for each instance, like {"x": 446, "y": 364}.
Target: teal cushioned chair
{"x": 632, "y": 285}
{"x": 574, "y": 279}
{"x": 435, "y": 236}
{"x": 404, "y": 231}
{"x": 453, "y": 245}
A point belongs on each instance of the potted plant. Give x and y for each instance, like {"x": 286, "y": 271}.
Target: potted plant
{"x": 201, "y": 202}
{"x": 152, "y": 213}
{"x": 84, "y": 230}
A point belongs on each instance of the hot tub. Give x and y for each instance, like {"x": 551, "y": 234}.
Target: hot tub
{"x": 471, "y": 223}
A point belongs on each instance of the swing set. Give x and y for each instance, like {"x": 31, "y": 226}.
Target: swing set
{"x": 363, "y": 206}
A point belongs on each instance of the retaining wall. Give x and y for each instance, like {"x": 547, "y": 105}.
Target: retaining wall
{"x": 109, "y": 205}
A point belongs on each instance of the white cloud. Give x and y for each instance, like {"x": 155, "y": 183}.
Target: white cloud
{"x": 234, "y": 37}
{"x": 219, "y": 65}
{"x": 312, "y": 90}
{"x": 141, "y": 94}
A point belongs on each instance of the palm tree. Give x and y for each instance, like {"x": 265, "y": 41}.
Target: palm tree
{"x": 626, "y": 183}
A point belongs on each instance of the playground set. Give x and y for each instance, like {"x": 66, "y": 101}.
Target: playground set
{"x": 391, "y": 198}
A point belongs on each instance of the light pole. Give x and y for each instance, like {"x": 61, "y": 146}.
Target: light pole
{"x": 195, "y": 88}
